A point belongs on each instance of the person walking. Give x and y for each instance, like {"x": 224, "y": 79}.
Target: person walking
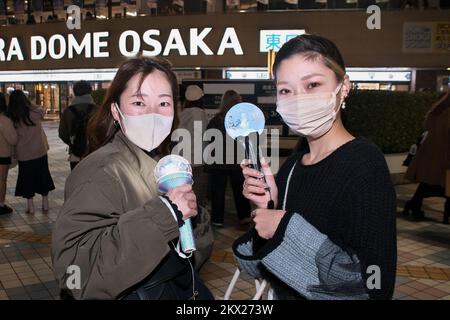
{"x": 432, "y": 161}
{"x": 8, "y": 139}
{"x": 31, "y": 150}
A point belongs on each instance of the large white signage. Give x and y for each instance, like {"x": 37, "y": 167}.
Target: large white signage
{"x": 131, "y": 43}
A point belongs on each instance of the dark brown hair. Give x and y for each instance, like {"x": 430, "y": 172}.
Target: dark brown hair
{"x": 19, "y": 108}
{"x": 314, "y": 48}
{"x": 101, "y": 128}
{"x": 229, "y": 99}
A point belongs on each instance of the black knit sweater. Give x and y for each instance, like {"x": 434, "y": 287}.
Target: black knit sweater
{"x": 349, "y": 197}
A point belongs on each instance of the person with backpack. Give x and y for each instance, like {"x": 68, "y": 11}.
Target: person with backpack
{"x": 72, "y": 127}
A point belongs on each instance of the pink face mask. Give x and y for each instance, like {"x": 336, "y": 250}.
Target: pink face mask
{"x": 310, "y": 115}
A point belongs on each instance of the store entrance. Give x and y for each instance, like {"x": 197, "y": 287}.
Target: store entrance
{"x": 48, "y": 96}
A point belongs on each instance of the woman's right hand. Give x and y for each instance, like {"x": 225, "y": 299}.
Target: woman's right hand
{"x": 185, "y": 199}
{"x": 255, "y": 189}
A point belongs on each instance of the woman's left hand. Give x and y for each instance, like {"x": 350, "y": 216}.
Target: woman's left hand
{"x": 267, "y": 221}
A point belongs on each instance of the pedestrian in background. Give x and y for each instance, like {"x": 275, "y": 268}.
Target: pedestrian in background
{"x": 8, "y": 139}
{"x": 193, "y": 118}
{"x": 73, "y": 124}
{"x": 219, "y": 173}
{"x": 31, "y": 150}
{"x": 432, "y": 161}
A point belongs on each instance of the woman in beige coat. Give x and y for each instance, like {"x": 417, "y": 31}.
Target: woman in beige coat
{"x": 113, "y": 232}
{"x": 31, "y": 150}
{"x": 432, "y": 161}
{"x": 8, "y": 139}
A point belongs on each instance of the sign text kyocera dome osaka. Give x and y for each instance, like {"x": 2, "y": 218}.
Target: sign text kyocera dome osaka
{"x": 129, "y": 43}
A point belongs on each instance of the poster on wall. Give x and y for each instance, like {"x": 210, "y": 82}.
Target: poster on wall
{"x": 426, "y": 37}
{"x": 417, "y": 37}
{"x": 441, "y": 38}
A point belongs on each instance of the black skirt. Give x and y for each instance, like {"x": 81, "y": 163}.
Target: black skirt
{"x": 5, "y": 161}
{"x": 34, "y": 177}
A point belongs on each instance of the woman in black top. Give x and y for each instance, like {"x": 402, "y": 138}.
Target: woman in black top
{"x": 333, "y": 235}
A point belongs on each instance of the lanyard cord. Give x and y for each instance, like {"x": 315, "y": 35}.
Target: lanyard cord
{"x": 287, "y": 186}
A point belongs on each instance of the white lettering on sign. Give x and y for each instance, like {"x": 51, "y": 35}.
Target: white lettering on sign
{"x": 148, "y": 40}
{"x": 123, "y": 43}
{"x": 2, "y": 47}
{"x": 175, "y": 42}
{"x": 197, "y": 42}
{"x": 131, "y": 43}
{"x": 38, "y": 48}
{"x": 98, "y": 44}
{"x": 13, "y": 50}
{"x": 54, "y": 39}
{"x": 230, "y": 41}
{"x": 85, "y": 46}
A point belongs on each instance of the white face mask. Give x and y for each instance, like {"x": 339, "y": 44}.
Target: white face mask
{"x": 310, "y": 115}
{"x": 147, "y": 131}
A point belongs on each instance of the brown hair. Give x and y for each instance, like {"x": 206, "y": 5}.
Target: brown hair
{"x": 229, "y": 99}
{"x": 101, "y": 128}
{"x": 313, "y": 48}
{"x": 19, "y": 108}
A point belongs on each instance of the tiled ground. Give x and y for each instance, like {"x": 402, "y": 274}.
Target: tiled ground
{"x": 26, "y": 271}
